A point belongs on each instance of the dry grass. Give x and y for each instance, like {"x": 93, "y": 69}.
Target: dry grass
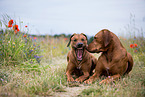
{"x": 51, "y": 78}
{"x": 28, "y": 78}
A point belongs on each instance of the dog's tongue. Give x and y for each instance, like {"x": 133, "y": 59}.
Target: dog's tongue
{"x": 79, "y": 54}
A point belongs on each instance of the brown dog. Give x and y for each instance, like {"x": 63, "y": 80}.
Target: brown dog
{"x": 114, "y": 61}
{"x": 80, "y": 62}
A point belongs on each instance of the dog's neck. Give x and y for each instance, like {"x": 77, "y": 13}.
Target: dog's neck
{"x": 111, "y": 49}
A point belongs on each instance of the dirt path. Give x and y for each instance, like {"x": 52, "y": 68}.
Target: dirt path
{"x": 71, "y": 91}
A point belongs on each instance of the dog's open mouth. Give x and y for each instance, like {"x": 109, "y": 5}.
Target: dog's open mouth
{"x": 79, "y": 53}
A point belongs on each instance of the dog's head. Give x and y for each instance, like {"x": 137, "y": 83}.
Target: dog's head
{"x": 78, "y": 43}
{"x": 101, "y": 42}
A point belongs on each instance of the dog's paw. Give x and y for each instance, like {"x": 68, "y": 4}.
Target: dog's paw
{"x": 89, "y": 81}
{"x": 80, "y": 80}
{"x": 101, "y": 82}
{"x": 70, "y": 79}
{"x": 105, "y": 81}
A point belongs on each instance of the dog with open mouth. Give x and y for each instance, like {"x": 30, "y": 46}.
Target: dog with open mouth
{"x": 81, "y": 63}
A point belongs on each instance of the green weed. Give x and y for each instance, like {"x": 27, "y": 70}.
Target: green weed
{"x": 25, "y": 73}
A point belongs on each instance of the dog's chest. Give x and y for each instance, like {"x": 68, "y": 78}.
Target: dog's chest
{"x": 82, "y": 64}
{"x": 110, "y": 68}
{"x": 107, "y": 66}
{"x": 78, "y": 66}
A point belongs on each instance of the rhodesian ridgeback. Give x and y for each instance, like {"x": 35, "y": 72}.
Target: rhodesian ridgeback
{"x": 80, "y": 62}
{"x": 114, "y": 61}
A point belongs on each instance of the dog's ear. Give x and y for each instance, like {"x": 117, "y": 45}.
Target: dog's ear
{"x": 106, "y": 37}
{"x": 85, "y": 36}
{"x": 70, "y": 39}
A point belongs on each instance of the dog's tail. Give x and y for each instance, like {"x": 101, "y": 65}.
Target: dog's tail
{"x": 130, "y": 63}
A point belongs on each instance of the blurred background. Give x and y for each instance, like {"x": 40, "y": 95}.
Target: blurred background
{"x": 50, "y": 17}
{"x": 33, "y": 45}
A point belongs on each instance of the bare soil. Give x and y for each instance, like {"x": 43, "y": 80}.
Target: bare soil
{"x": 71, "y": 91}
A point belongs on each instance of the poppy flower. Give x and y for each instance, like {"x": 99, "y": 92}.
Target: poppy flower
{"x": 16, "y": 29}
{"x": 9, "y": 25}
{"x": 26, "y": 26}
{"x": 35, "y": 38}
{"x": 131, "y": 46}
{"x": 10, "y": 22}
{"x": 65, "y": 39}
{"x": 25, "y": 36}
{"x": 135, "y": 45}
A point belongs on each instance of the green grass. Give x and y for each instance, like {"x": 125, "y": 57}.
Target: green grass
{"x": 131, "y": 85}
{"x": 23, "y": 75}
{"x": 32, "y": 82}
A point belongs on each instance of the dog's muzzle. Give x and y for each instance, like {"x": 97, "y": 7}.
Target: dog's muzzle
{"x": 79, "y": 51}
{"x": 79, "y": 45}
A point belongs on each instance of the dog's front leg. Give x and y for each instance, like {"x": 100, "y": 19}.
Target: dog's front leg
{"x": 69, "y": 76}
{"x": 110, "y": 79}
{"x": 92, "y": 78}
{"x": 69, "y": 70}
{"x": 83, "y": 77}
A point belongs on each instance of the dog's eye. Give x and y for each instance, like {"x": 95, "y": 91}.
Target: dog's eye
{"x": 95, "y": 38}
{"x": 83, "y": 40}
{"x": 75, "y": 40}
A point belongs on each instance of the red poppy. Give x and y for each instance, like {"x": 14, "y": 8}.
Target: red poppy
{"x": 10, "y": 23}
{"x": 15, "y": 27}
{"x": 65, "y": 39}
{"x": 25, "y": 36}
{"x": 135, "y": 45}
{"x": 35, "y": 38}
{"x": 26, "y": 26}
{"x": 131, "y": 46}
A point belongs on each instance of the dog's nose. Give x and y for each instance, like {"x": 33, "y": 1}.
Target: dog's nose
{"x": 79, "y": 45}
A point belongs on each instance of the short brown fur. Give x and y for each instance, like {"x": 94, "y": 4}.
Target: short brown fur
{"x": 80, "y": 68}
{"x": 114, "y": 61}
